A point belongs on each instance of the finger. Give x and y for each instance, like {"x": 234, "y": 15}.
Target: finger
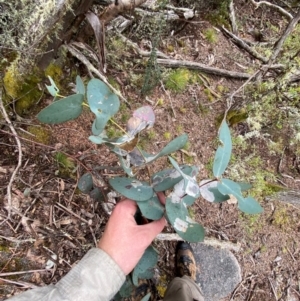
{"x": 126, "y": 206}
{"x": 155, "y": 227}
{"x": 162, "y": 198}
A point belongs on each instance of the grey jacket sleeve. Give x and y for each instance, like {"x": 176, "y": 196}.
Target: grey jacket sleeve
{"x": 95, "y": 278}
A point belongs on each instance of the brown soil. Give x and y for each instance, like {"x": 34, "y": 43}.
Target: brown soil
{"x": 55, "y": 218}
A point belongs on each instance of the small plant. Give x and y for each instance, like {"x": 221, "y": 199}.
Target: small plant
{"x": 211, "y": 35}
{"x": 181, "y": 179}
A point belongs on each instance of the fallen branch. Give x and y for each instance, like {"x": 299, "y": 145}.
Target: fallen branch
{"x": 12, "y": 178}
{"x": 208, "y": 241}
{"x": 232, "y": 18}
{"x": 91, "y": 68}
{"x": 197, "y": 66}
{"x": 239, "y": 42}
{"x": 280, "y": 9}
{"x": 286, "y": 33}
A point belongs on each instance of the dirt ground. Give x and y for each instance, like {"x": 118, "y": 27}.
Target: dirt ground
{"x": 52, "y": 217}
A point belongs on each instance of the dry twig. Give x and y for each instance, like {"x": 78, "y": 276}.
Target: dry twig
{"x": 12, "y": 178}
{"x": 239, "y": 42}
{"x": 280, "y": 9}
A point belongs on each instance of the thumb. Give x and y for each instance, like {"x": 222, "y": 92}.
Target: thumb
{"x": 155, "y": 227}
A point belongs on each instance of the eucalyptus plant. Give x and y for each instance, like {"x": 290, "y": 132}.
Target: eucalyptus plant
{"x": 181, "y": 180}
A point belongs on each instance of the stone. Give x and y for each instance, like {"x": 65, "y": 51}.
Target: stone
{"x": 218, "y": 271}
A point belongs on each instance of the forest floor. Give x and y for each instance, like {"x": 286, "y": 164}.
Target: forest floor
{"x": 53, "y": 217}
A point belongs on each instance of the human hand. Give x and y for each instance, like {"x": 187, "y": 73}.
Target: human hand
{"x": 124, "y": 240}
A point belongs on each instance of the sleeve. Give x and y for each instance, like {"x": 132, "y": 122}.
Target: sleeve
{"x": 95, "y": 278}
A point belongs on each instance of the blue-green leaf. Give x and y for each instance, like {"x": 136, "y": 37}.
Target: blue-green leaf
{"x": 103, "y": 103}
{"x": 250, "y": 205}
{"x": 132, "y": 188}
{"x": 166, "y": 179}
{"x": 97, "y": 195}
{"x": 179, "y": 217}
{"x": 62, "y": 110}
{"x": 126, "y": 288}
{"x": 191, "y": 187}
{"x": 247, "y": 205}
{"x": 226, "y": 186}
{"x": 53, "y": 90}
{"x": 211, "y": 193}
{"x": 144, "y": 268}
{"x": 85, "y": 183}
{"x": 80, "y": 88}
{"x": 152, "y": 208}
{"x": 223, "y": 153}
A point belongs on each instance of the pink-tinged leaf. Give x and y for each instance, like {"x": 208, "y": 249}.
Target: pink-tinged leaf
{"x": 145, "y": 113}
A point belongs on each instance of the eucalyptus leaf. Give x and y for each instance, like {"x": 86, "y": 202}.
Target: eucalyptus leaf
{"x": 223, "y": 153}
{"x": 191, "y": 187}
{"x": 152, "y": 208}
{"x": 53, "y": 90}
{"x": 210, "y": 192}
{"x": 97, "y": 195}
{"x": 85, "y": 183}
{"x": 103, "y": 103}
{"x": 80, "y": 88}
{"x": 132, "y": 188}
{"x": 126, "y": 289}
{"x": 179, "y": 217}
{"x": 146, "y": 264}
{"x": 62, "y": 110}
{"x": 166, "y": 179}
{"x": 250, "y": 205}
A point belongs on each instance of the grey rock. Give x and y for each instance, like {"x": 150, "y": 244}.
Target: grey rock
{"x": 218, "y": 271}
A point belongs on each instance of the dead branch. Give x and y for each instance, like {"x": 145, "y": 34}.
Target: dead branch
{"x": 91, "y": 68}
{"x": 197, "y": 66}
{"x": 239, "y": 42}
{"x": 12, "y": 178}
{"x": 208, "y": 241}
{"x": 232, "y": 18}
{"x": 280, "y": 9}
{"x": 22, "y": 272}
{"x": 286, "y": 33}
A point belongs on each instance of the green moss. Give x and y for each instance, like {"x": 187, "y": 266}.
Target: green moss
{"x": 66, "y": 165}
{"x": 167, "y": 136}
{"x": 219, "y": 14}
{"x": 233, "y": 117}
{"x": 56, "y": 73}
{"x": 24, "y": 93}
{"x": 41, "y": 134}
{"x": 178, "y": 80}
{"x": 151, "y": 134}
{"x": 282, "y": 218}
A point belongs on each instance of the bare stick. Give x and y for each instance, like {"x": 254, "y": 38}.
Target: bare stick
{"x": 21, "y": 272}
{"x": 20, "y": 283}
{"x": 286, "y": 33}
{"x": 239, "y": 42}
{"x": 90, "y": 67}
{"x": 11, "y": 127}
{"x": 193, "y": 65}
{"x": 280, "y": 9}
{"x": 208, "y": 241}
{"x": 232, "y": 18}
{"x": 170, "y": 99}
